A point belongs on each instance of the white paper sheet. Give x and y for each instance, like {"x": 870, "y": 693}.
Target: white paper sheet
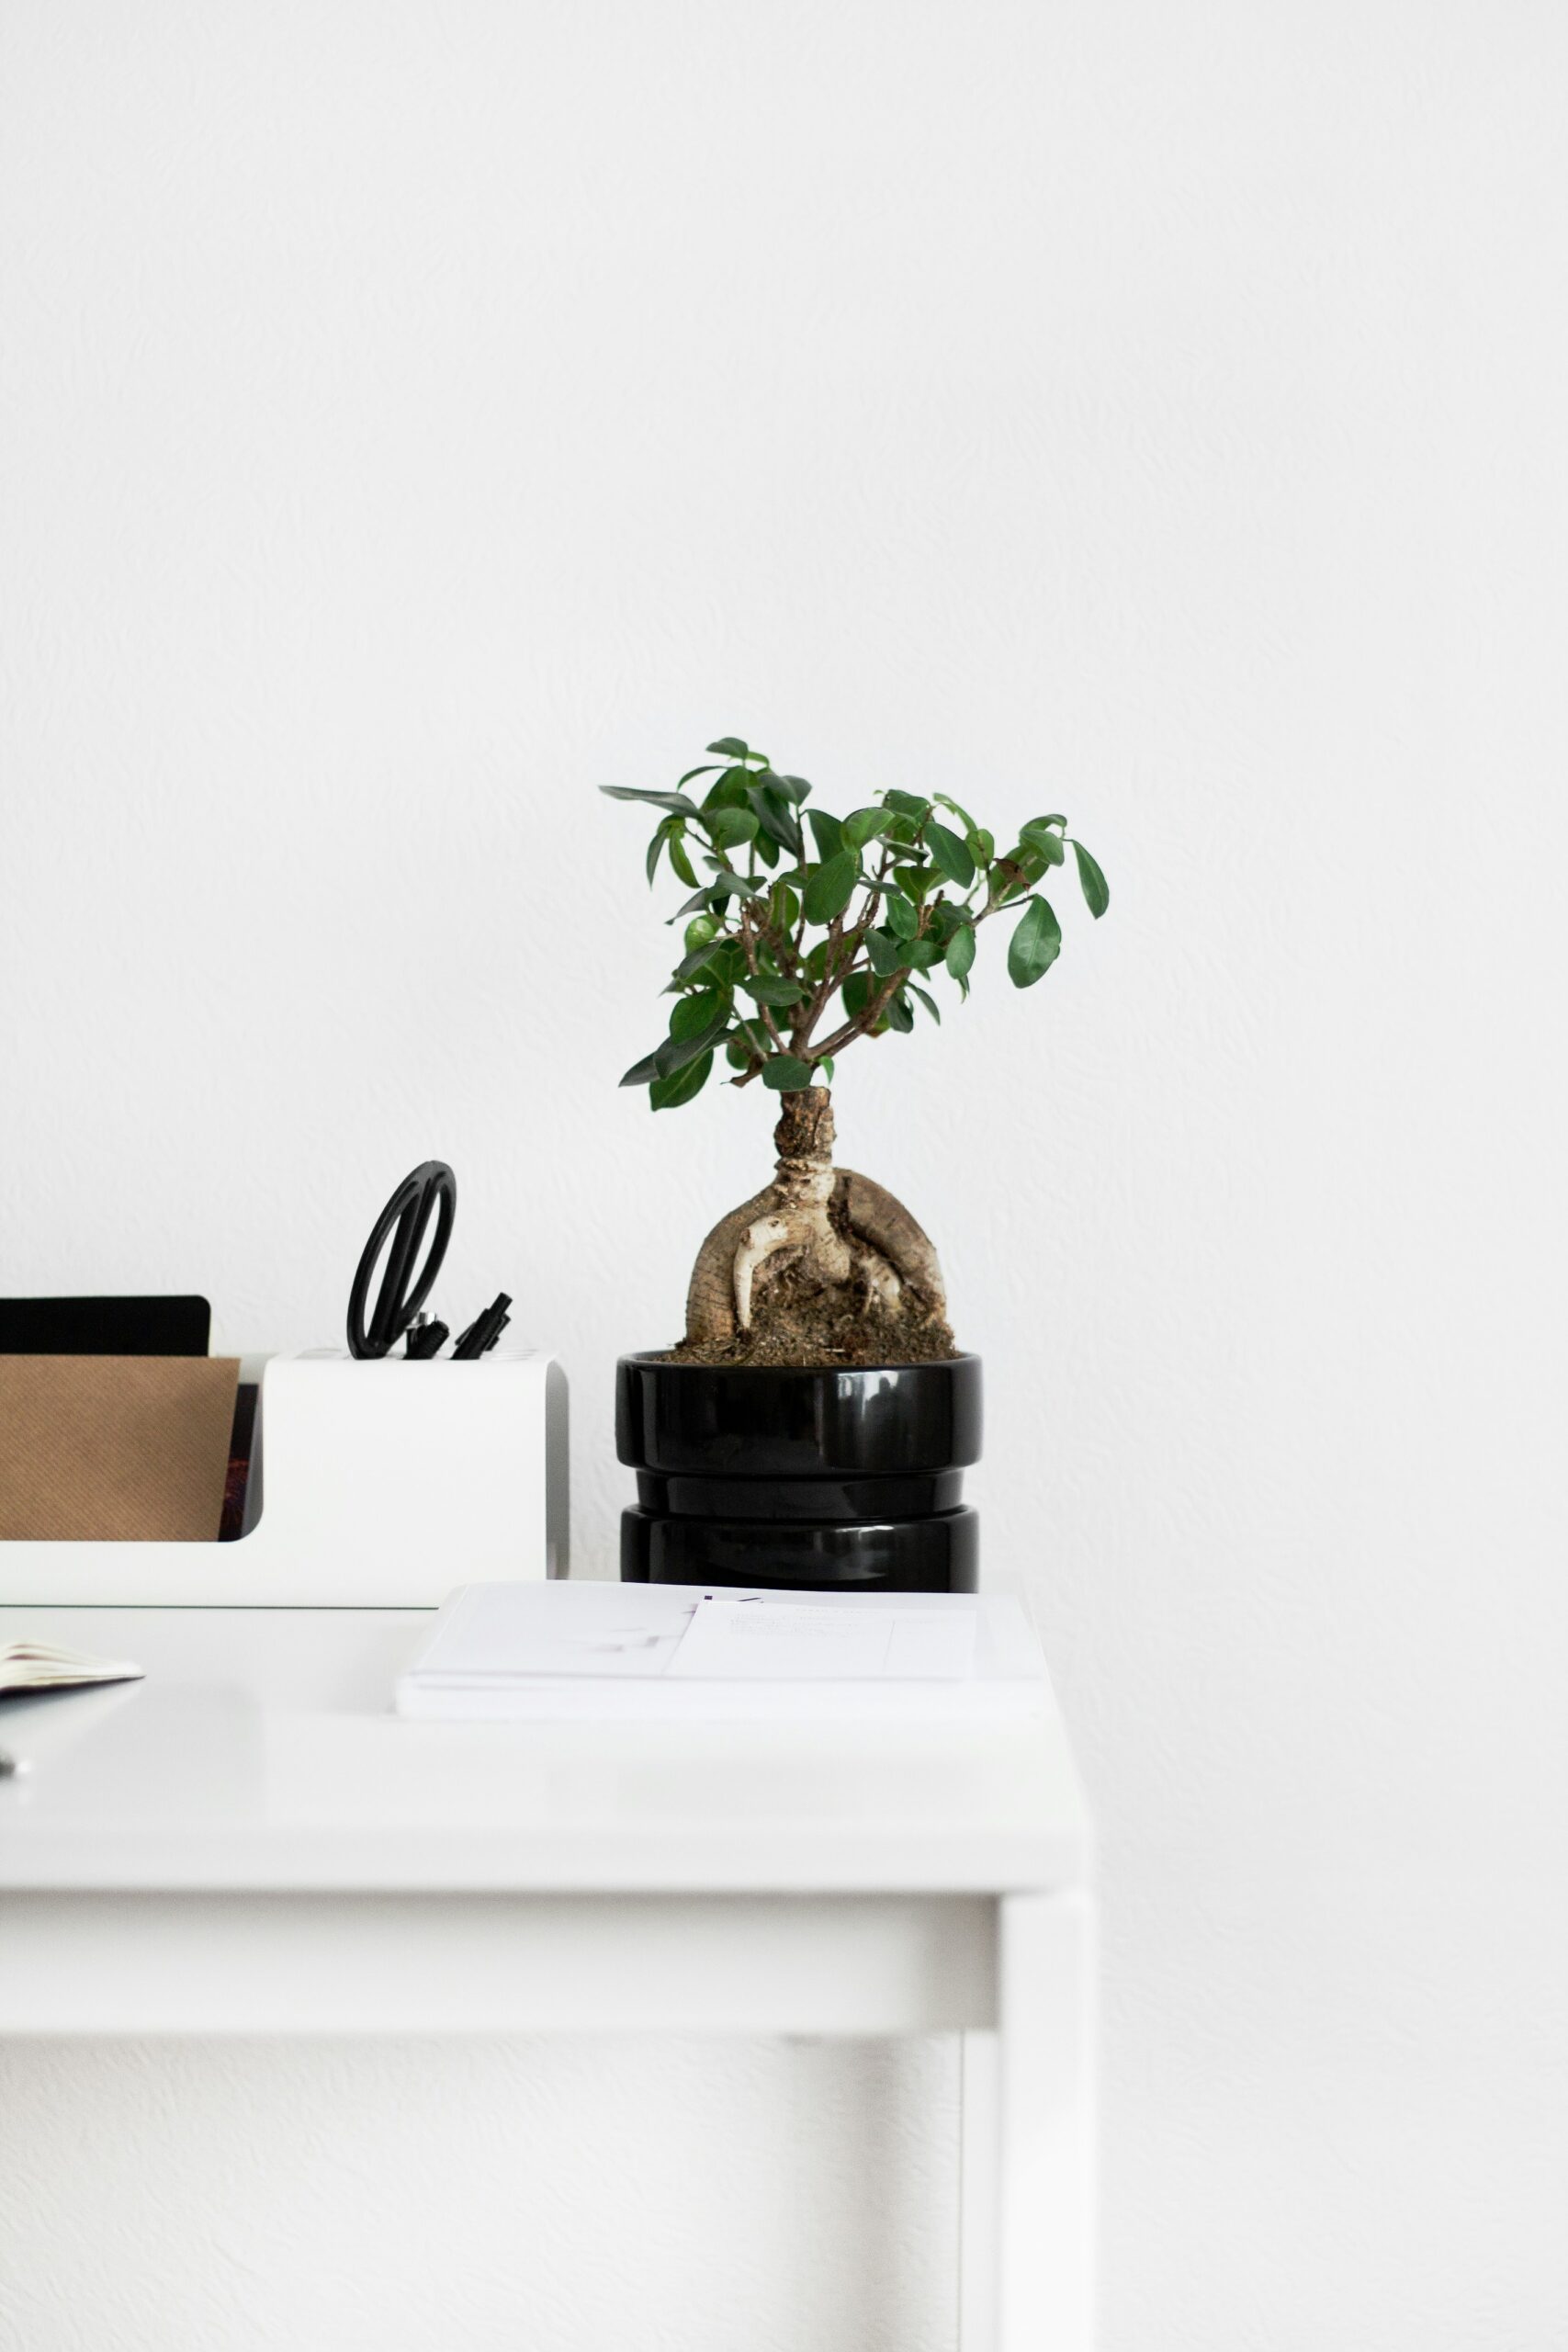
{"x": 605, "y": 1653}
{"x": 762, "y": 1640}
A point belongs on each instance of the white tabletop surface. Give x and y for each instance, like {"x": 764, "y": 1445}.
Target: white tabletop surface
{"x": 260, "y": 1752}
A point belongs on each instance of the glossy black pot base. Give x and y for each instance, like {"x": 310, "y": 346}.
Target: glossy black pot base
{"x": 846, "y": 1499}
{"x": 939, "y": 1554}
{"x": 801, "y": 1480}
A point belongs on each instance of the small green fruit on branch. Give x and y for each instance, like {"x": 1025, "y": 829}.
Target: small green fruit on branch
{"x": 806, "y": 932}
{"x": 801, "y": 938}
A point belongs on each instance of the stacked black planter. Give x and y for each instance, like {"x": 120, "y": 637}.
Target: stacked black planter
{"x": 806, "y": 1481}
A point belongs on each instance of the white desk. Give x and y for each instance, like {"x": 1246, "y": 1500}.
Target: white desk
{"x": 248, "y": 1842}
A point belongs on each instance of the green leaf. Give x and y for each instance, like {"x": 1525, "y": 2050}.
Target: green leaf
{"x": 982, "y": 844}
{"x": 1044, "y": 840}
{"x": 681, "y": 859}
{"x": 900, "y": 1015}
{"x": 960, "y": 956}
{"x": 942, "y": 801}
{"x": 825, "y": 1070}
{"x": 830, "y": 833}
{"x": 668, "y": 1093}
{"x": 913, "y": 881}
{"x": 730, "y": 885}
{"x": 1034, "y": 945}
{"x": 769, "y": 991}
{"x": 796, "y": 787}
{"x": 908, "y": 804}
{"x": 901, "y": 917}
{"x": 786, "y": 1073}
{"x": 948, "y": 856}
{"x": 728, "y": 790}
{"x": 863, "y": 825}
{"x": 728, "y": 827}
{"x": 922, "y": 954}
{"x": 717, "y": 893}
{"x": 1096, "y": 889}
{"x": 886, "y": 952}
{"x": 776, "y": 816}
{"x": 641, "y": 1073}
{"x": 719, "y": 963}
{"x": 831, "y": 887}
{"x": 690, "y": 1014}
{"x": 697, "y": 959}
{"x": 676, "y": 802}
{"x": 707, "y": 770}
{"x": 858, "y": 992}
{"x": 930, "y": 1003}
{"x": 731, "y": 747}
{"x": 676, "y": 1052}
{"x": 783, "y": 905}
{"x": 655, "y": 851}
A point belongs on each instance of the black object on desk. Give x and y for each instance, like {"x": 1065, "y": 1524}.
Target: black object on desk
{"x": 428, "y": 1190}
{"x": 105, "y": 1327}
{"x": 483, "y": 1332}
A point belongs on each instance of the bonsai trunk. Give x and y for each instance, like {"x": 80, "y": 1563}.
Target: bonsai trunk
{"x": 834, "y": 1240}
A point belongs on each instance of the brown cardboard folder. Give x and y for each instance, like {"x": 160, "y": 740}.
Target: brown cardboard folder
{"x": 116, "y": 1449}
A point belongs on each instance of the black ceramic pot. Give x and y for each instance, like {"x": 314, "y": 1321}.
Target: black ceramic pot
{"x": 802, "y": 1480}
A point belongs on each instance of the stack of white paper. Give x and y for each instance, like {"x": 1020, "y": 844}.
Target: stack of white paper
{"x": 627, "y": 1652}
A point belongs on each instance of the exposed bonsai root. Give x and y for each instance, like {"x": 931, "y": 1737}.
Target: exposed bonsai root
{"x": 877, "y": 1278}
{"x": 825, "y": 1227}
{"x": 883, "y": 1222}
{"x": 710, "y": 1299}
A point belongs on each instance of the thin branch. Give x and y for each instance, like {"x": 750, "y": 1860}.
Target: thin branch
{"x": 748, "y": 949}
{"x": 778, "y": 939}
{"x": 874, "y": 1006}
{"x": 866, "y": 1018}
{"x": 832, "y": 977}
{"x": 834, "y": 973}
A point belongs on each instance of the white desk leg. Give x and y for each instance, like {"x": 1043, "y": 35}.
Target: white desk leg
{"x": 1027, "y": 2258}
{"x": 979, "y": 2147}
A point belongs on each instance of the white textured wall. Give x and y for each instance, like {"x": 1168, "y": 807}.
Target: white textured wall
{"x": 416, "y": 414}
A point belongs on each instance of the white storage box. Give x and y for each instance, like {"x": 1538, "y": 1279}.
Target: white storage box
{"x": 382, "y": 1485}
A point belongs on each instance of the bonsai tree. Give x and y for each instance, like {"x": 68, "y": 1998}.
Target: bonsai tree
{"x": 807, "y": 933}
